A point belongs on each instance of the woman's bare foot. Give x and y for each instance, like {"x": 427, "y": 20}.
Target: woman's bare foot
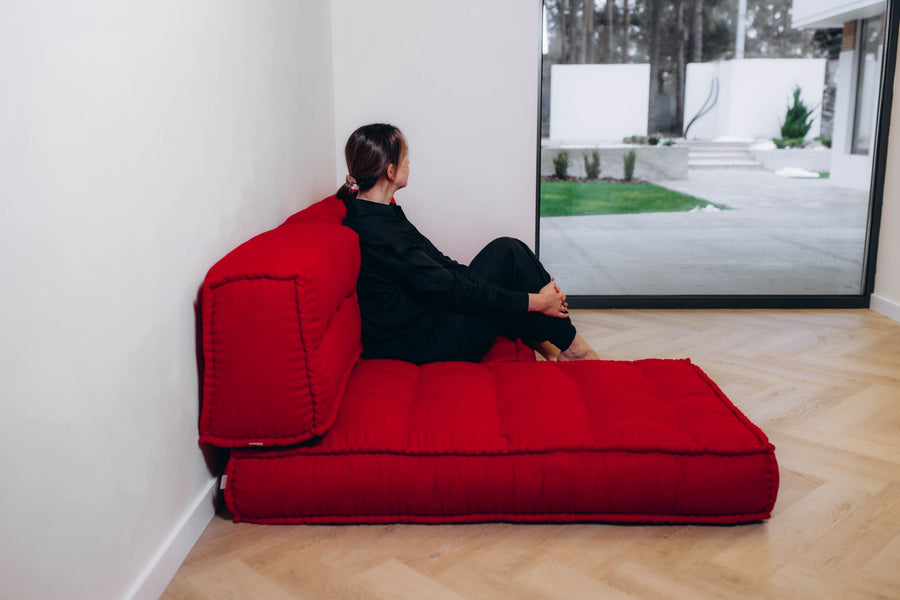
{"x": 548, "y": 351}
{"x": 579, "y": 350}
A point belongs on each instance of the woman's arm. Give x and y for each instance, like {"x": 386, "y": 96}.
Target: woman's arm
{"x": 419, "y": 274}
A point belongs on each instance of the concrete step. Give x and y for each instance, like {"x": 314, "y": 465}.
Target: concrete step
{"x": 723, "y": 163}
{"x": 720, "y": 154}
{"x": 719, "y": 144}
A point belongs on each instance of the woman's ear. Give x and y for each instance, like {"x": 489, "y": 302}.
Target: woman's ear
{"x": 391, "y": 172}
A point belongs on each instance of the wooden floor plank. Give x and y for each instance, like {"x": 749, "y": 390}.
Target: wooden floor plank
{"x": 823, "y": 384}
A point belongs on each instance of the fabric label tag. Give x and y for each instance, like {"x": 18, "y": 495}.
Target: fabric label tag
{"x": 224, "y": 482}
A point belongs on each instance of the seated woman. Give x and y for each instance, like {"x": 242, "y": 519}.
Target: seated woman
{"x": 420, "y": 306}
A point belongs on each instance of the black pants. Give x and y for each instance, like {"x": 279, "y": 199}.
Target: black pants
{"x": 509, "y": 263}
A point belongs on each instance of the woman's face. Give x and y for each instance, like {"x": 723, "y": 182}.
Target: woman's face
{"x": 402, "y": 175}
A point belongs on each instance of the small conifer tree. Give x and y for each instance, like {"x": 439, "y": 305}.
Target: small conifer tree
{"x": 592, "y": 166}
{"x": 561, "y": 164}
{"x": 629, "y": 165}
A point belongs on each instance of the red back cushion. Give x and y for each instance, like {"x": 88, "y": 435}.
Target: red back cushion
{"x": 281, "y": 331}
{"x": 329, "y": 210}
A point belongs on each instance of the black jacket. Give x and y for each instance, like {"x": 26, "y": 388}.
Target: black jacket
{"x": 404, "y": 281}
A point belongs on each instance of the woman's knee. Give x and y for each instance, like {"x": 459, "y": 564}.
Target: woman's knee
{"x": 508, "y": 262}
{"x": 503, "y": 245}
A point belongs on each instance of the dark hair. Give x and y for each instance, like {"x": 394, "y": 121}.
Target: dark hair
{"x": 370, "y": 150}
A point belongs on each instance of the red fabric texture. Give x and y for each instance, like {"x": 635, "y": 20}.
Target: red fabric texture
{"x": 649, "y": 441}
{"x": 505, "y": 350}
{"x": 511, "y": 438}
{"x": 328, "y": 210}
{"x": 281, "y": 332}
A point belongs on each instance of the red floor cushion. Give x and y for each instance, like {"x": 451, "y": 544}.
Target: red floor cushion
{"x": 651, "y": 441}
{"x": 320, "y": 436}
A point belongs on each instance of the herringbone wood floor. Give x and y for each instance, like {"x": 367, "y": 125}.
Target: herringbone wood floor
{"x": 824, "y": 385}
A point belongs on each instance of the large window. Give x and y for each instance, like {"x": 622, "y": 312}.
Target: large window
{"x": 679, "y": 167}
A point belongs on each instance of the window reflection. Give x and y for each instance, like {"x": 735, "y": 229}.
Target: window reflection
{"x": 870, "y": 44}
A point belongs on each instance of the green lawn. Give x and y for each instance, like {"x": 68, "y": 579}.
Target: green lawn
{"x": 570, "y": 198}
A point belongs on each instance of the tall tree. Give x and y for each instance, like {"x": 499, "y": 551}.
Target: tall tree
{"x": 770, "y": 34}
{"x": 680, "y": 35}
{"x": 626, "y": 30}
{"x": 610, "y": 41}
{"x": 571, "y": 31}
{"x": 562, "y": 29}
{"x": 655, "y": 35}
{"x": 697, "y": 32}
{"x": 587, "y": 44}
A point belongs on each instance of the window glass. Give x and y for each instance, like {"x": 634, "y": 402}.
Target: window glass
{"x": 867, "y": 84}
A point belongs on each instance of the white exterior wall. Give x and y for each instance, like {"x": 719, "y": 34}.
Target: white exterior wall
{"x": 754, "y": 95}
{"x": 140, "y": 142}
{"x": 847, "y": 169}
{"x": 461, "y": 80}
{"x": 816, "y": 14}
{"x": 698, "y": 89}
{"x": 597, "y": 103}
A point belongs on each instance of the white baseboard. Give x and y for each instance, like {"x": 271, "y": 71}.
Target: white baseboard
{"x": 155, "y": 577}
{"x": 884, "y": 306}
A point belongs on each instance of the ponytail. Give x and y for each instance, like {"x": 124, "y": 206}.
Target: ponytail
{"x": 348, "y": 190}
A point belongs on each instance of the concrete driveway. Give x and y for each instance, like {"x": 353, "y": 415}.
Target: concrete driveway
{"x": 780, "y": 236}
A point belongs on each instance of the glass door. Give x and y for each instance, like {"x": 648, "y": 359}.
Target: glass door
{"x": 710, "y": 149}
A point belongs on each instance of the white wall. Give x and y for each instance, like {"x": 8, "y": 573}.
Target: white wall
{"x": 596, "y": 103}
{"x": 699, "y": 94}
{"x": 461, "y": 79}
{"x": 886, "y": 298}
{"x": 819, "y": 14}
{"x": 754, "y": 95}
{"x": 139, "y": 142}
{"x": 847, "y": 169}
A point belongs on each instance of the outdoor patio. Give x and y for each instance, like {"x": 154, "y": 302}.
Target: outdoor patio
{"x": 781, "y": 236}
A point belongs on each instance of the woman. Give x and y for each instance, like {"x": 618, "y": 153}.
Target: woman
{"x": 420, "y": 306}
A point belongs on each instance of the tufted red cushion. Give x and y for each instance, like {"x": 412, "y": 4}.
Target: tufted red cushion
{"x": 280, "y": 333}
{"x": 328, "y": 210}
{"x": 648, "y": 441}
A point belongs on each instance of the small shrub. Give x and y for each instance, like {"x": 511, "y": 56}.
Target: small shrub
{"x": 629, "y": 158}
{"x": 635, "y": 139}
{"x": 669, "y": 143}
{"x": 592, "y": 166}
{"x": 797, "y": 120}
{"x": 561, "y": 164}
{"x": 824, "y": 141}
{"x": 653, "y": 140}
{"x": 782, "y": 143}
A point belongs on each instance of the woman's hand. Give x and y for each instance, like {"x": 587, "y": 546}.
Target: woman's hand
{"x": 549, "y": 301}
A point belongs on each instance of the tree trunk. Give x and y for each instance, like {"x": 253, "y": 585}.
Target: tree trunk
{"x": 626, "y": 32}
{"x": 655, "y": 9}
{"x": 563, "y": 30}
{"x": 741, "y": 33}
{"x": 610, "y": 42}
{"x": 697, "y": 28}
{"x": 681, "y": 32}
{"x": 587, "y": 44}
{"x": 572, "y": 31}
